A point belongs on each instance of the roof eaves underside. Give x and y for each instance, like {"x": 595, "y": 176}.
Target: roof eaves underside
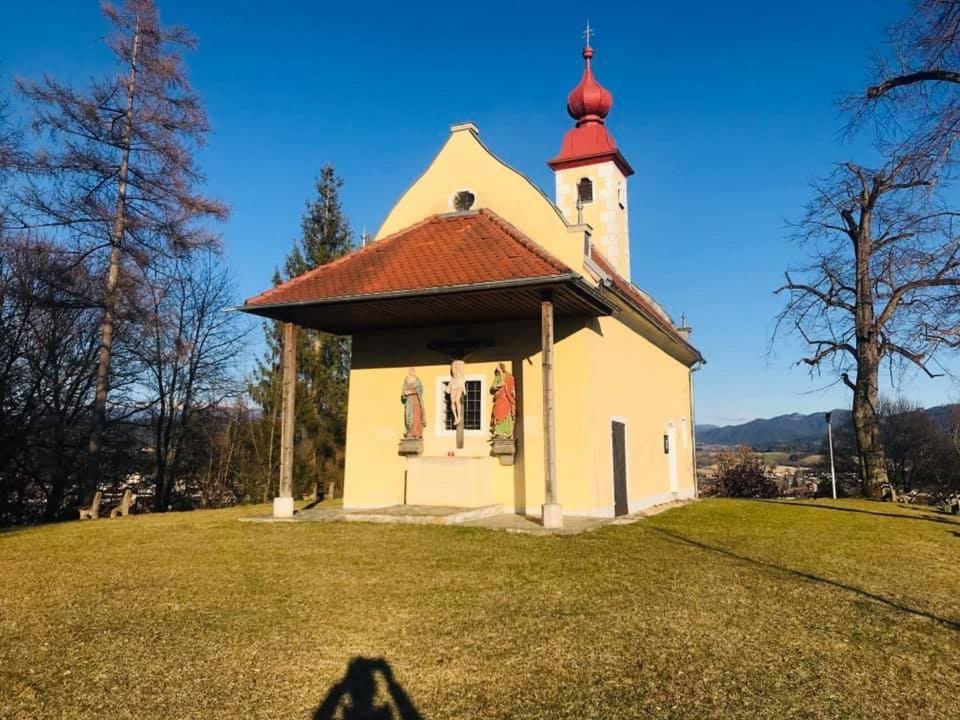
{"x": 562, "y": 163}
{"x": 475, "y": 303}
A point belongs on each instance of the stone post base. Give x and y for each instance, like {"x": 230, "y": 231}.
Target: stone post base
{"x": 283, "y": 507}
{"x": 552, "y": 516}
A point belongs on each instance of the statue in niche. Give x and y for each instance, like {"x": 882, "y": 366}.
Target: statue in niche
{"x": 503, "y": 415}
{"x": 414, "y": 418}
{"x": 456, "y": 389}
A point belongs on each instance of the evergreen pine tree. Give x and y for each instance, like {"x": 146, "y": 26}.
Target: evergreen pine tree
{"x": 323, "y": 361}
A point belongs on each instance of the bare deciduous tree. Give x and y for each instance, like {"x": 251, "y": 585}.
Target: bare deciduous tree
{"x": 189, "y": 351}
{"x": 919, "y": 447}
{"x": 118, "y": 176}
{"x": 9, "y": 139}
{"x": 11, "y": 157}
{"x": 914, "y": 96}
{"x": 881, "y": 288}
{"x": 48, "y": 345}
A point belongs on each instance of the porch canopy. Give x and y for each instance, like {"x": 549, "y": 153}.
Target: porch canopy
{"x": 448, "y": 269}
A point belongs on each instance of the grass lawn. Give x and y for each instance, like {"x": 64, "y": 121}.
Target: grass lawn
{"x": 719, "y": 609}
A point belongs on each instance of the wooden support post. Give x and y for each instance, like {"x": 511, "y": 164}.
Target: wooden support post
{"x": 283, "y": 503}
{"x": 552, "y": 513}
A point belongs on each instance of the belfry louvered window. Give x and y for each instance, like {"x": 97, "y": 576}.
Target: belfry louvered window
{"x": 585, "y": 190}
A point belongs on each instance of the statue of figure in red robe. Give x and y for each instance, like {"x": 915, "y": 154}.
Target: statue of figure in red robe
{"x": 504, "y": 413}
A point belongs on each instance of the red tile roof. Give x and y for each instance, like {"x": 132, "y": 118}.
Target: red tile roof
{"x": 441, "y": 251}
{"x": 635, "y": 296}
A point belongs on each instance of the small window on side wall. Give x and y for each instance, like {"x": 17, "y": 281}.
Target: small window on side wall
{"x": 585, "y": 190}
{"x": 463, "y": 201}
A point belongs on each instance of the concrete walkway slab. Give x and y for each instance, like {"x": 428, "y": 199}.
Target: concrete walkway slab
{"x": 509, "y": 522}
{"x": 490, "y": 517}
{"x": 423, "y": 514}
{"x": 399, "y": 514}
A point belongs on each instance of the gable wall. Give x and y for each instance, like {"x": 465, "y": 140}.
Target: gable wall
{"x": 464, "y": 163}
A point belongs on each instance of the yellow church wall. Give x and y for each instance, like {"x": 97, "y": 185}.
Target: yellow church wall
{"x": 465, "y": 163}
{"x": 377, "y": 476}
{"x": 373, "y": 473}
{"x": 603, "y": 371}
{"x": 576, "y": 494}
{"x": 637, "y": 383}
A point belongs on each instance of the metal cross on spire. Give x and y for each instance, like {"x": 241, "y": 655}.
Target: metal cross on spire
{"x": 588, "y": 32}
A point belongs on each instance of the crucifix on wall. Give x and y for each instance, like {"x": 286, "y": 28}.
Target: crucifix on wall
{"x": 458, "y": 350}
{"x": 457, "y": 389}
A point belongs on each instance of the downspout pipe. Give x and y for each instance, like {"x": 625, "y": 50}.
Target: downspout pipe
{"x": 693, "y": 429}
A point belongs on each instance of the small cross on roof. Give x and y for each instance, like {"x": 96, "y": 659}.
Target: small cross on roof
{"x": 588, "y": 32}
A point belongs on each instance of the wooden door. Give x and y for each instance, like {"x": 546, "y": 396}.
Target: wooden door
{"x": 619, "y": 431}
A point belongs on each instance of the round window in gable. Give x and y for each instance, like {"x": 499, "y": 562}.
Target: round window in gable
{"x": 463, "y": 201}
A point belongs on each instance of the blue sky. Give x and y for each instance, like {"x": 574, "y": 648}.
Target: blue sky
{"x": 725, "y": 110}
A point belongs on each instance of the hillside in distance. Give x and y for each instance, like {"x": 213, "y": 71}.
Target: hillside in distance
{"x": 784, "y": 431}
{"x": 795, "y": 431}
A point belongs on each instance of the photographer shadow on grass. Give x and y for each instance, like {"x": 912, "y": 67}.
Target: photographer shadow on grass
{"x": 356, "y": 696}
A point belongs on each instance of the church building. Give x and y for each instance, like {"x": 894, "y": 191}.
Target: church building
{"x": 501, "y": 354}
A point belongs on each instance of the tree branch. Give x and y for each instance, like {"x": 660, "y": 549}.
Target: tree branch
{"x": 918, "y": 359}
{"x": 877, "y": 91}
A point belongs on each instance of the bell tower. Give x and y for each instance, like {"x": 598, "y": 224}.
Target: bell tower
{"x": 590, "y": 171}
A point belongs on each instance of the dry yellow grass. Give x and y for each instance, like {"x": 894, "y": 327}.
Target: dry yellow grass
{"x": 715, "y": 610}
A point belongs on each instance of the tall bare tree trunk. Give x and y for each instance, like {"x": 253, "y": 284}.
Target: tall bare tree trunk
{"x": 110, "y": 292}
{"x": 872, "y": 459}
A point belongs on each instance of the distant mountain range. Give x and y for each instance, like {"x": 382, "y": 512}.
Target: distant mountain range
{"x": 781, "y": 431}
{"x": 787, "y": 431}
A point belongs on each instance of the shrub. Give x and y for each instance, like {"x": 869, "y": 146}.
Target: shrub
{"x": 182, "y": 504}
{"x": 741, "y": 473}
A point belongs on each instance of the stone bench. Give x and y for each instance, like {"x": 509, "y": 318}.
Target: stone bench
{"x": 123, "y": 509}
{"x": 92, "y": 512}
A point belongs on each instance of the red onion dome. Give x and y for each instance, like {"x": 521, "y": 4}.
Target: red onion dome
{"x": 589, "y": 101}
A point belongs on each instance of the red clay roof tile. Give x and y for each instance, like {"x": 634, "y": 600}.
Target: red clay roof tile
{"x": 441, "y": 251}
{"x": 637, "y": 297}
